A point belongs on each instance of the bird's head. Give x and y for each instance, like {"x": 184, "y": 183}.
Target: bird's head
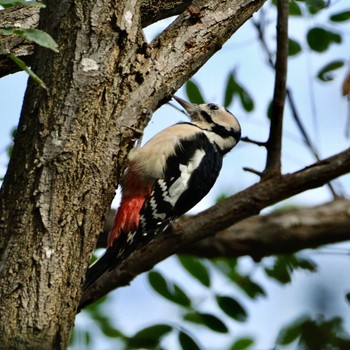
{"x": 213, "y": 118}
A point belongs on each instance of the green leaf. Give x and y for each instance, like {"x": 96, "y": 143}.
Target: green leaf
{"x": 149, "y": 337}
{"x": 38, "y": 36}
{"x": 285, "y": 265}
{"x": 293, "y": 47}
{"x": 291, "y": 333}
{"x": 340, "y": 16}
{"x": 21, "y": 64}
{"x": 325, "y": 74}
{"x": 320, "y": 39}
{"x": 208, "y": 320}
{"x": 316, "y": 3}
{"x": 347, "y": 297}
{"x": 158, "y": 283}
{"x": 242, "y": 344}
{"x": 246, "y": 100}
{"x": 252, "y": 289}
{"x": 231, "y": 89}
{"x": 195, "y": 268}
{"x": 294, "y": 9}
{"x": 10, "y": 3}
{"x": 179, "y": 296}
{"x": 232, "y": 308}
{"x": 214, "y": 323}
{"x": 194, "y": 317}
{"x": 314, "y": 6}
{"x": 234, "y": 88}
{"x": 193, "y": 93}
{"x": 186, "y": 342}
{"x": 168, "y": 290}
{"x": 229, "y": 268}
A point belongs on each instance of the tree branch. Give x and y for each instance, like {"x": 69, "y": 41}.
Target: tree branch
{"x": 28, "y": 17}
{"x": 188, "y": 230}
{"x": 280, "y": 232}
{"x": 274, "y": 143}
{"x": 260, "y": 29}
{"x": 72, "y": 143}
{"x": 181, "y": 49}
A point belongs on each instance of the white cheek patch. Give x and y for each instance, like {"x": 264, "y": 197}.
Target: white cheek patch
{"x": 181, "y": 184}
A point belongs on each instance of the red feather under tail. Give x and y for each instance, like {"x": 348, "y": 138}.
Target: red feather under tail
{"x": 136, "y": 190}
{"x": 127, "y": 218}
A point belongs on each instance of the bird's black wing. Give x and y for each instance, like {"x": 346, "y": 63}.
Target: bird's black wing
{"x": 189, "y": 175}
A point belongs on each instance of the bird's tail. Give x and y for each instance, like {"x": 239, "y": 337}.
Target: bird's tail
{"x": 96, "y": 270}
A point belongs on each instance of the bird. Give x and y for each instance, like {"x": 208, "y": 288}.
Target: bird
{"x": 167, "y": 177}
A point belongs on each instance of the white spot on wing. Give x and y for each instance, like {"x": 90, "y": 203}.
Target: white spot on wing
{"x": 181, "y": 184}
{"x": 131, "y": 236}
{"x": 155, "y": 213}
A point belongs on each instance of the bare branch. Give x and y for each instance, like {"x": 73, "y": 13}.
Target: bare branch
{"x": 258, "y": 143}
{"x": 274, "y": 143}
{"x": 279, "y": 233}
{"x": 189, "y": 230}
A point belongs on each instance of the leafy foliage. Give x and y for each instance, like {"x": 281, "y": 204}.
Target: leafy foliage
{"x": 229, "y": 268}
{"x": 208, "y": 320}
{"x": 285, "y": 265}
{"x": 234, "y": 88}
{"x": 187, "y": 342}
{"x": 35, "y": 35}
{"x": 293, "y": 47}
{"x": 231, "y": 307}
{"x": 168, "y": 290}
{"x": 193, "y": 92}
{"x": 196, "y": 269}
{"x": 340, "y": 16}
{"x": 319, "y": 39}
{"x": 21, "y": 64}
{"x": 242, "y": 344}
{"x": 149, "y": 337}
{"x": 327, "y": 72}
{"x": 317, "y": 333}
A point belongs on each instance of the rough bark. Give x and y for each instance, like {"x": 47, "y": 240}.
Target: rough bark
{"x": 72, "y": 142}
{"x": 28, "y": 17}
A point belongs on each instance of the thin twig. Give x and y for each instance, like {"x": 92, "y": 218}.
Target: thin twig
{"x": 253, "y": 171}
{"x": 258, "y": 143}
{"x": 305, "y": 135}
{"x": 259, "y": 27}
{"x": 274, "y": 143}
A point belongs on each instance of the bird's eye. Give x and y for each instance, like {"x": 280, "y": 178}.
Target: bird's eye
{"x": 213, "y": 107}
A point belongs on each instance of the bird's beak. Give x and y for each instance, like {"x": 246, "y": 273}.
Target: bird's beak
{"x": 190, "y": 108}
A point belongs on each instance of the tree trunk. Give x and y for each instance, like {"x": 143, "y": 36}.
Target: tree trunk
{"x": 72, "y": 142}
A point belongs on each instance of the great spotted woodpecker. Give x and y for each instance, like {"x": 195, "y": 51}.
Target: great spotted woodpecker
{"x": 165, "y": 178}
